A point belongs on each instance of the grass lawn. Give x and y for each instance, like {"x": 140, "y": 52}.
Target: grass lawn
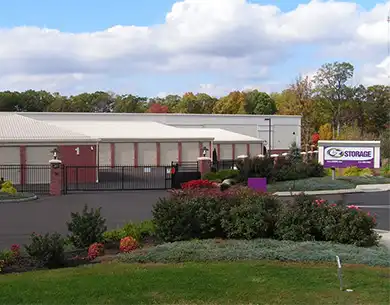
{"x": 216, "y": 283}
{"x": 324, "y": 183}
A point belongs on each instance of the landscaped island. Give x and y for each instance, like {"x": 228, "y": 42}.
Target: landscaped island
{"x": 207, "y": 244}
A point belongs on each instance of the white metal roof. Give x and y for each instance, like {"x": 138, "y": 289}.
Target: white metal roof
{"x": 18, "y": 128}
{"x": 130, "y": 131}
{"x": 223, "y": 136}
{"x": 145, "y": 116}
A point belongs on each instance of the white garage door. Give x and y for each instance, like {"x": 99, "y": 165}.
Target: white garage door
{"x": 105, "y": 154}
{"x": 147, "y": 154}
{"x": 38, "y": 170}
{"x": 256, "y": 149}
{"x": 241, "y": 149}
{"x": 190, "y": 151}
{"x": 124, "y": 154}
{"x": 226, "y": 152}
{"x": 168, "y": 153}
{"x": 10, "y": 164}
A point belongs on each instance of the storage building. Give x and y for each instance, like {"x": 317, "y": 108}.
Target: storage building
{"x": 281, "y": 129}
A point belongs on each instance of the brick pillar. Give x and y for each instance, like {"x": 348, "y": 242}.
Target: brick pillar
{"x": 23, "y": 162}
{"x": 55, "y": 177}
{"x": 204, "y": 165}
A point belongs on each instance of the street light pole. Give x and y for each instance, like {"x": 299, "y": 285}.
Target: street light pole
{"x": 269, "y": 135}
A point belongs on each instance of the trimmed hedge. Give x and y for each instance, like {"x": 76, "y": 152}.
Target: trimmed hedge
{"x": 210, "y": 213}
{"x": 258, "y": 249}
{"x": 284, "y": 169}
{"x": 241, "y": 213}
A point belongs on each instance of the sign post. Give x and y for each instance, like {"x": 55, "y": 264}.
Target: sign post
{"x": 339, "y": 272}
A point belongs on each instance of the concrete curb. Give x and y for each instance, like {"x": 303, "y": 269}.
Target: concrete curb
{"x": 385, "y": 238}
{"x": 365, "y": 188}
{"x": 19, "y": 200}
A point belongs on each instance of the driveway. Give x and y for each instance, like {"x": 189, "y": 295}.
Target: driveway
{"x": 375, "y": 202}
{"x": 49, "y": 214}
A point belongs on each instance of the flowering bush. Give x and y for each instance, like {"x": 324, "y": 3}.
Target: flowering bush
{"x": 128, "y": 244}
{"x": 15, "y": 250}
{"x": 308, "y": 219}
{"x": 198, "y": 184}
{"x": 95, "y": 250}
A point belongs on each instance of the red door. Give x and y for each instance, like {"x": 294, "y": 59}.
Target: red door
{"x": 80, "y": 163}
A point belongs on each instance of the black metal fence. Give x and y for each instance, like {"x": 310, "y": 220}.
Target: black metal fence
{"x": 184, "y": 172}
{"x": 112, "y": 178}
{"x": 36, "y": 178}
{"x": 225, "y": 164}
{"x": 27, "y": 178}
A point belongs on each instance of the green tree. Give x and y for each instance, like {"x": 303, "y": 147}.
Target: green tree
{"x": 130, "y": 104}
{"x": 10, "y": 101}
{"x": 331, "y": 82}
{"x": 259, "y": 103}
{"x": 378, "y": 108}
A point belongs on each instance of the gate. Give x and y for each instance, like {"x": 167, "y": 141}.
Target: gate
{"x": 184, "y": 172}
{"x": 115, "y": 178}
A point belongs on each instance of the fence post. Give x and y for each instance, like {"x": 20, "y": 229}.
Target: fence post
{"x": 55, "y": 177}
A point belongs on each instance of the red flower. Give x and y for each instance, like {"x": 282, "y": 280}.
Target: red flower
{"x": 15, "y": 250}
{"x": 198, "y": 184}
{"x": 95, "y": 250}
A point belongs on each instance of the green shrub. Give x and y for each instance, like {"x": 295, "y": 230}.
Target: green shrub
{"x": 285, "y": 169}
{"x": 346, "y": 225}
{"x": 258, "y": 249}
{"x": 47, "y": 250}
{"x": 307, "y": 218}
{"x": 298, "y": 221}
{"x": 139, "y": 231}
{"x": 86, "y": 228}
{"x": 7, "y": 257}
{"x": 352, "y": 171}
{"x": 385, "y": 170}
{"x": 7, "y": 187}
{"x": 222, "y": 175}
{"x": 113, "y": 235}
{"x": 315, "y": 169}
{"x": 255, "y": 217}
{"x": 235, "y": 213}
{"x": 366, "y": 172}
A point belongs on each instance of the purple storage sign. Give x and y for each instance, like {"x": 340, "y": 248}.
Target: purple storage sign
{"x": 342, "y": 157}
{"x": 258, "y": 184}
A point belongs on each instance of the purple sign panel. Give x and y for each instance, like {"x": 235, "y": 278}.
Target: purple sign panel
{"x": 258, "y": 184}
{"x": 342, "y": 157}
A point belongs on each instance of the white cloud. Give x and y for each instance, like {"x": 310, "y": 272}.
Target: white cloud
{"x": 229, "y": 37}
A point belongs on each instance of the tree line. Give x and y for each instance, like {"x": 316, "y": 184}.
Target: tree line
{"x": 328, "y": 103}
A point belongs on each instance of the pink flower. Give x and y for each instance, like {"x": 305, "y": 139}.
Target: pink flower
{"x": 333, "y": 205}
{"x": 353, "y": 207}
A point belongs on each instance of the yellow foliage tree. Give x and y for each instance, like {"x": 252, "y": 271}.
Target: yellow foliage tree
{"x": 234, "y": 103}
{"x": 325, "y": 132}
